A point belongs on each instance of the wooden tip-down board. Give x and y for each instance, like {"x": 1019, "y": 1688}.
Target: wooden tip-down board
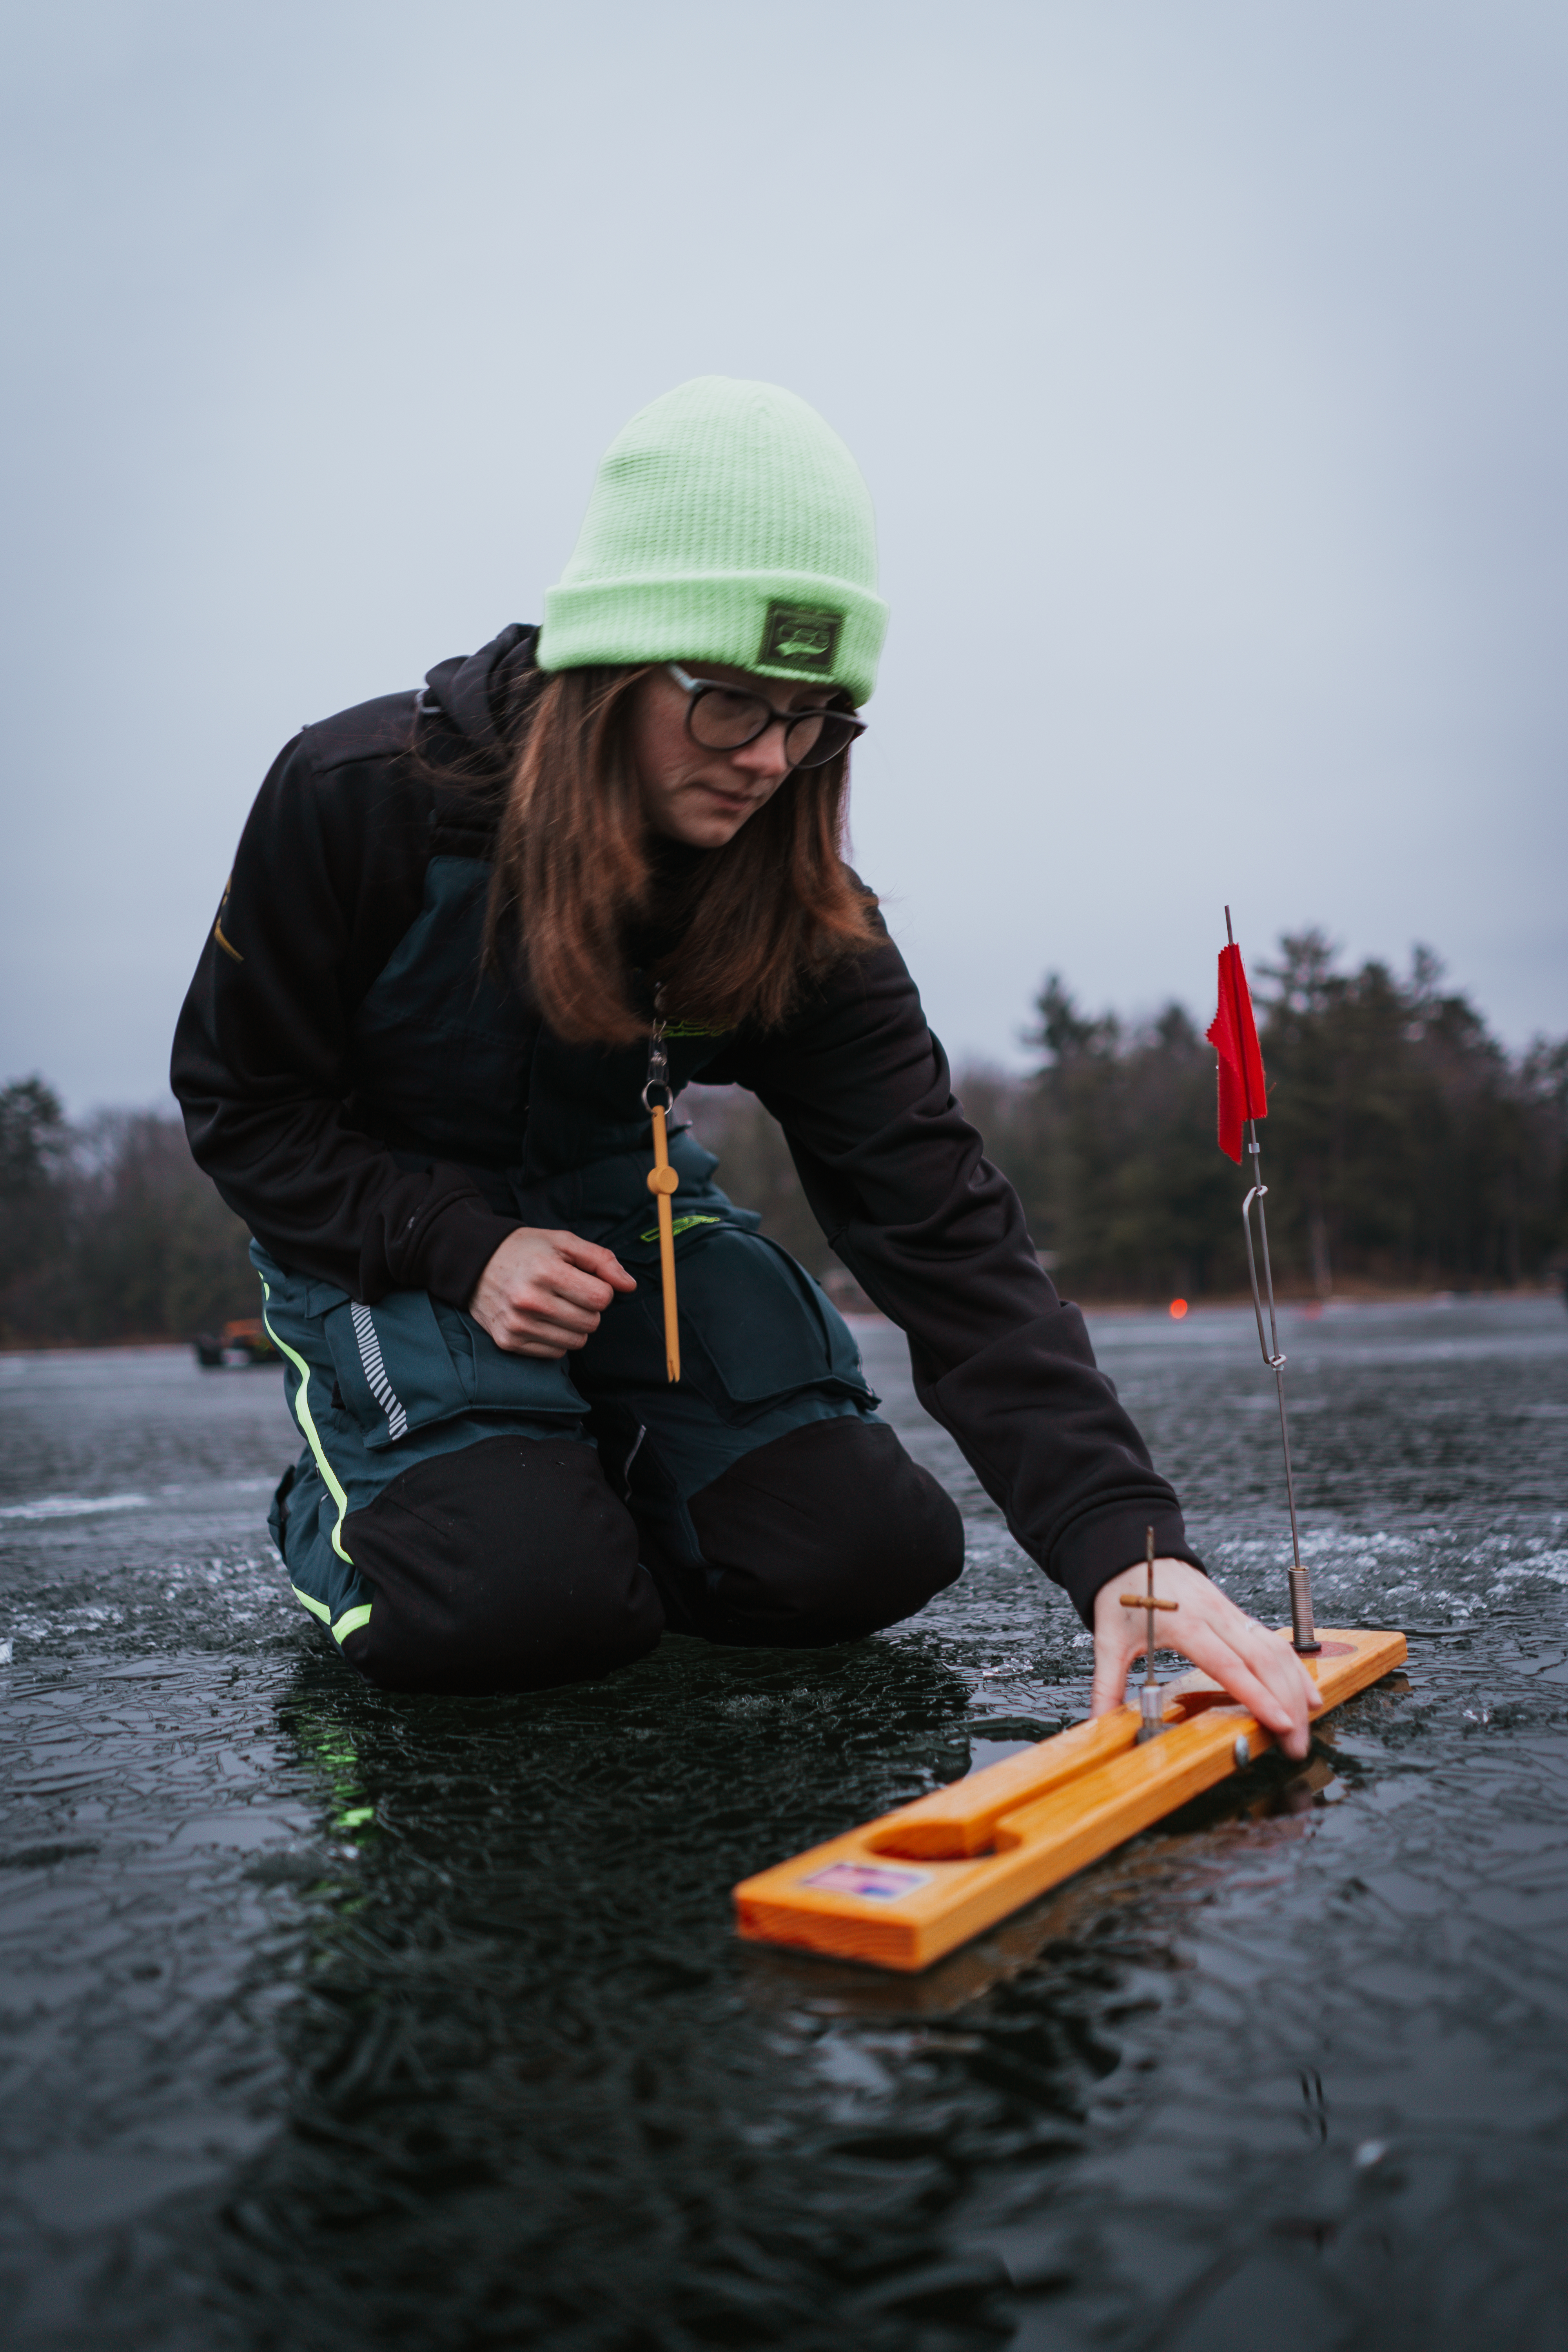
{"x": 903, "y": 1890}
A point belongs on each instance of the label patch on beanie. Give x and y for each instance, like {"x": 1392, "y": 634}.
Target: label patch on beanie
{"x": 800, "y": 637}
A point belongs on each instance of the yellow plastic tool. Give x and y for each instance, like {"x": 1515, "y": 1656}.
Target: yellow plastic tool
{"x": 662, "y": 1180}
{"x": 903, "y": 1890}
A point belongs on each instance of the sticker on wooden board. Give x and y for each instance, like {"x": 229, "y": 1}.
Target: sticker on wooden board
{"x": 874, "y": 1881}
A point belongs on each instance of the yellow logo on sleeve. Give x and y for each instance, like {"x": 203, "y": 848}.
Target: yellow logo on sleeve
{"x": 227, "y": 945}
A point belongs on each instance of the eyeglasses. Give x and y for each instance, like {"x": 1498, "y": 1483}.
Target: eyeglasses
{"x": 724, "y": 717}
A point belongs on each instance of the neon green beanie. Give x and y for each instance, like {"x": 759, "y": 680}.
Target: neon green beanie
{"x": 729, "y": 523}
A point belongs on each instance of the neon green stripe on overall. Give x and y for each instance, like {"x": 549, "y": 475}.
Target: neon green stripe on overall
{"x": 312, "y": 1439}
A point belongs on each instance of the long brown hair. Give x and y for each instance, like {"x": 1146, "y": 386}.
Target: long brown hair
{"x": 758, "y": 919}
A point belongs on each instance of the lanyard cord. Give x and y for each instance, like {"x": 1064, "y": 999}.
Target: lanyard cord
{"x": 662, "y": 1178}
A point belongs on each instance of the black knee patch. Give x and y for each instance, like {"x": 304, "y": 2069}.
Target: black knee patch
{"x": 821, "y": 1536}
{"x": 506, "y": 1566}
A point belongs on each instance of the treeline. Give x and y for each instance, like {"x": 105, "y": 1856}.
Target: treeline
{"x": 108, "y": 1230}
{"x": 1404, "y": 1148}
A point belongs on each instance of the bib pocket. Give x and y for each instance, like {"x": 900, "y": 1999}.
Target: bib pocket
{"x": 410, "y": 1361}
{"x": 755, "y": 1328}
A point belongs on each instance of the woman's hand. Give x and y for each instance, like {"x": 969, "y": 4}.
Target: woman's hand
{"x": 542, "y": 1293}
{"x": 1254, "y": 1665}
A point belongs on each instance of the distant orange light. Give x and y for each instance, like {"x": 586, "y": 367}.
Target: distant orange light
{"x": 1178, "y": 1308}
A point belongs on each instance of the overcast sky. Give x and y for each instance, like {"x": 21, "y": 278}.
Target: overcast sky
{"x": 1206, "y": 358}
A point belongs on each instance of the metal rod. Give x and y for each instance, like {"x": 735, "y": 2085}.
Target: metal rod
{"x": 1303, "y": 1630}
{"x": 1150, "y": 1698}
{"x": 1151, "y": 1706}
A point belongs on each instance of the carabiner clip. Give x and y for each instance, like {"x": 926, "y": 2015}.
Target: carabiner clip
{"x": 657, "y": 1083}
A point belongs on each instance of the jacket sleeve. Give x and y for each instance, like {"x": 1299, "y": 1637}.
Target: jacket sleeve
{"x": 327, "y": 877}
{"x": 936, "y": 1236}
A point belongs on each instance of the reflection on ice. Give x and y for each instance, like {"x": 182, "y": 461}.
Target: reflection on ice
{"x": 72, "y": 1507}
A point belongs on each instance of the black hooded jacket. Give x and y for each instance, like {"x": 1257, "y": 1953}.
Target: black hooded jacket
{"x": 377, "y": 1175}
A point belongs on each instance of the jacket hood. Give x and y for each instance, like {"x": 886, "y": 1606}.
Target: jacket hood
{"x": 484, "y": 694}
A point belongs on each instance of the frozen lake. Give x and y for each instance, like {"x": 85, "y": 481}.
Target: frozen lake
{"x": 334, "y": 2018}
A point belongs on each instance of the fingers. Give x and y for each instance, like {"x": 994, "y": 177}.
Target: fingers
{"x": 555, "y": 1279}
{"x": 594, "y": 1260}
{"x": 1269, "y": 1657}
{"x": 536, "y": 1335}
{"x": 1284, "y": 1672}
{"x": 539, "y": 1307}
{"x": 1281, "y": 1706}
{"x": 549, "y": 1351}
{"x": 1259, "y": 1668}
{"x": 1112, "y": 1658}
{"x": 536, "y": 1310}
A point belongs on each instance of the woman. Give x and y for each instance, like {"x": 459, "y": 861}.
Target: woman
{"x": 414, "y": 1059}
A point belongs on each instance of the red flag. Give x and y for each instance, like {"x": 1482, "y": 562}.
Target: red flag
{"x": 1232, "y": 1034}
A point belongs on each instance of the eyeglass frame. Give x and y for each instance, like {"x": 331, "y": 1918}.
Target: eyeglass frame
{"x": 694, "y": 688}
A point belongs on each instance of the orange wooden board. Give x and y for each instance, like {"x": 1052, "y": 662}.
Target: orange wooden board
{"x": 903, "y": 1890}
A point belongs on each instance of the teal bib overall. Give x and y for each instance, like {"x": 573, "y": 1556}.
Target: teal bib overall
{"x": 444, "y": 1066}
